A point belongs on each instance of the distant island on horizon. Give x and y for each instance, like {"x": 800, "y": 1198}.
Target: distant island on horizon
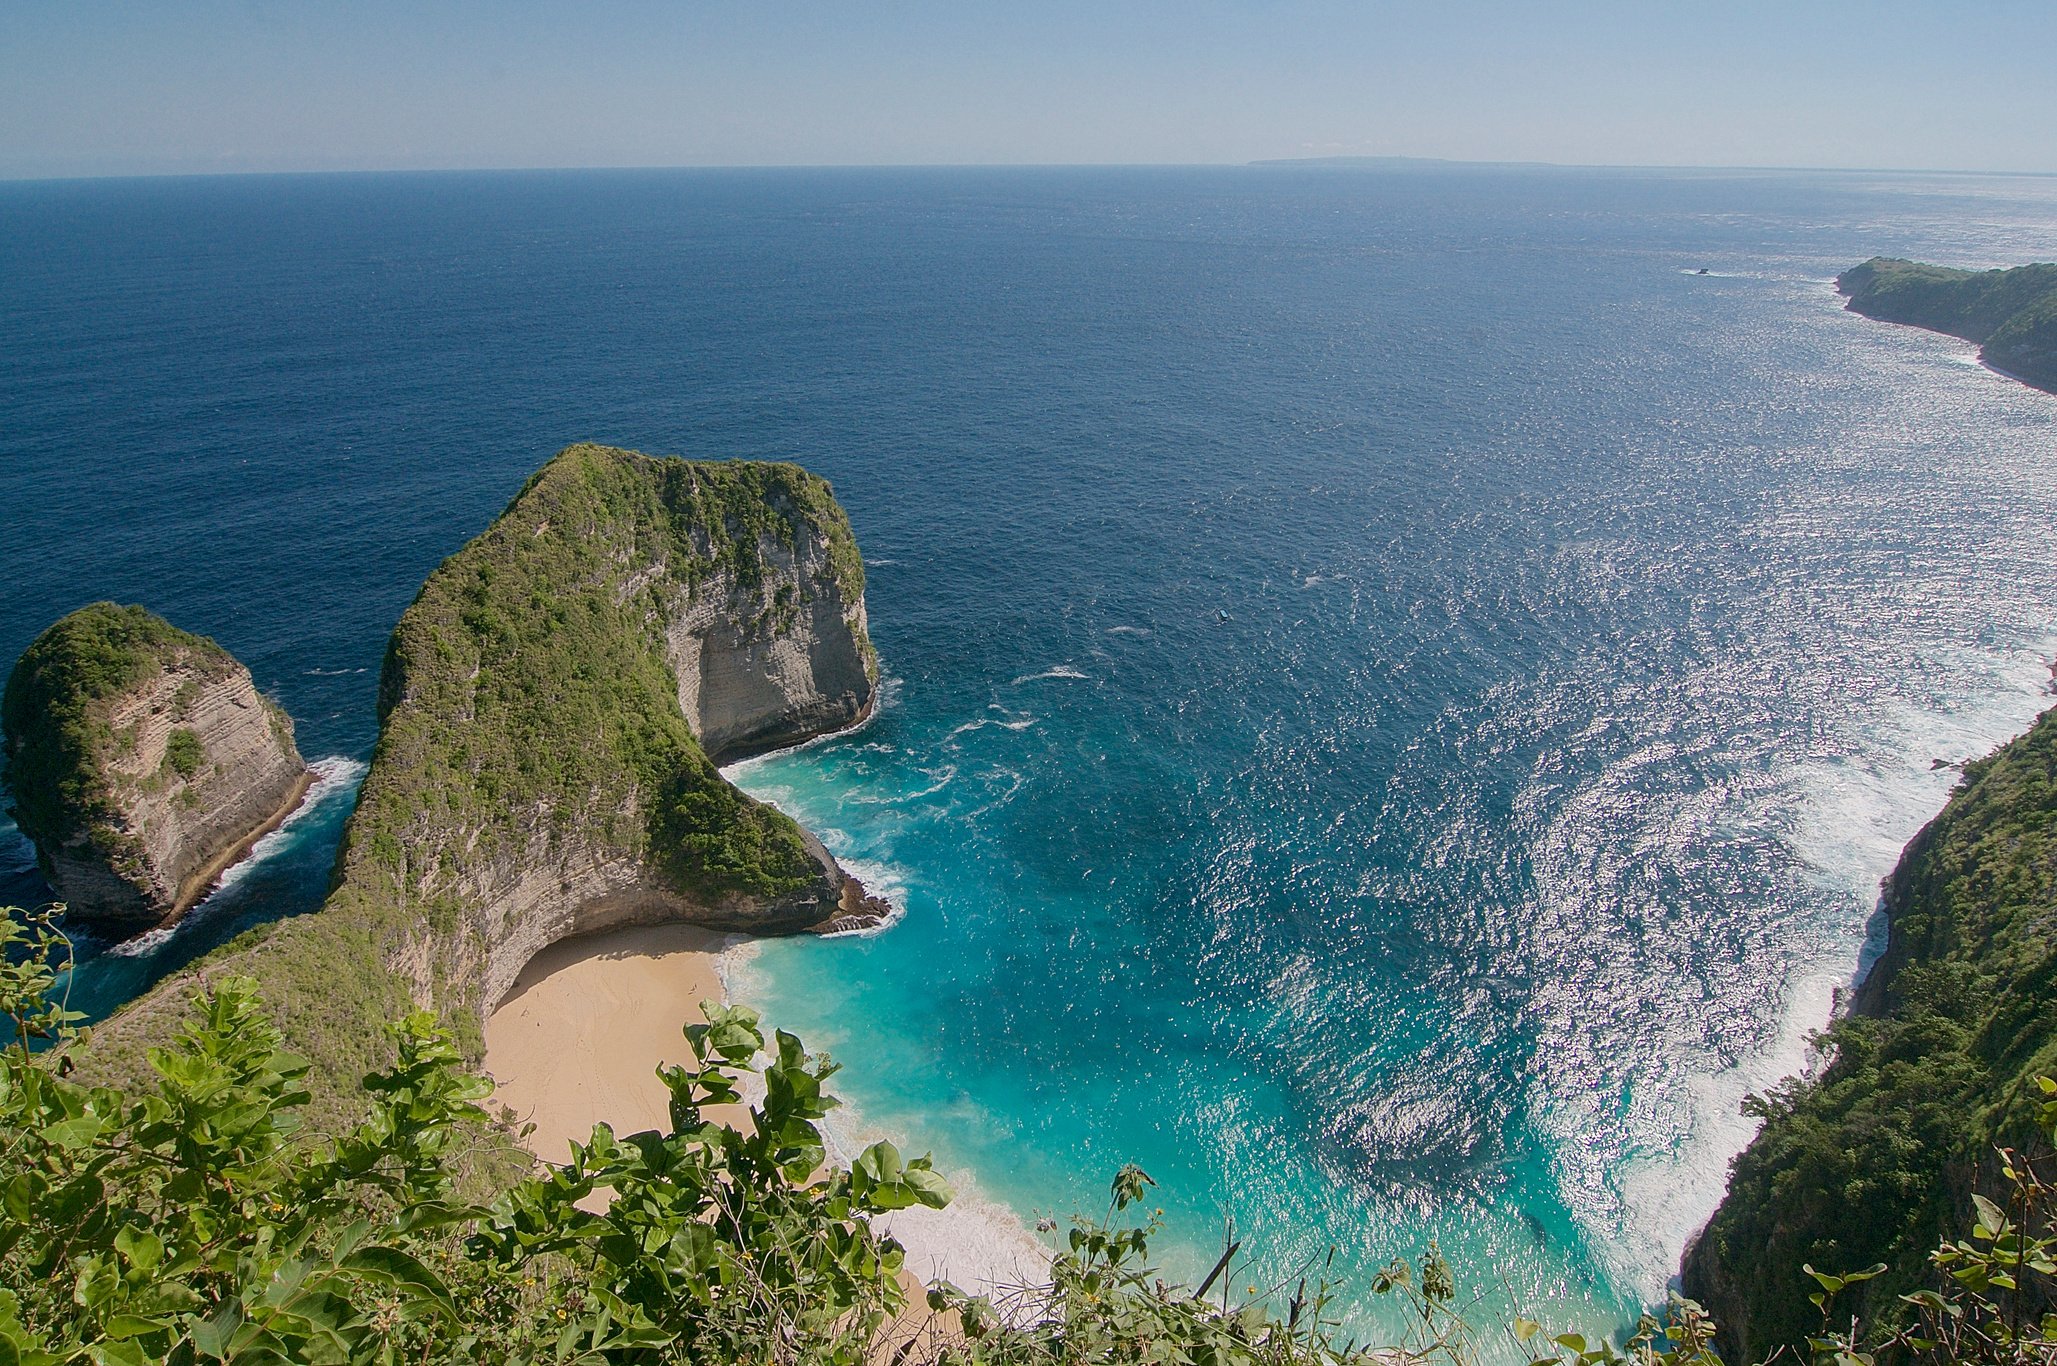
{"x": 1414, "y": 163}
{"x": 554, "y": 707}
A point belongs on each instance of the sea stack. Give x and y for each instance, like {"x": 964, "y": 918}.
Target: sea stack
{"x": 552, "y": 709}
{"x": 143, "y": 762}
{"x": 555, "y": 702}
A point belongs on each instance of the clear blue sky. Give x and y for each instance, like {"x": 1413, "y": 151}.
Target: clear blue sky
{"x": 96, "y": 87}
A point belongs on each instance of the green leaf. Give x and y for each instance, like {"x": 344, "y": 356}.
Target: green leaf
{"x": 394, "y": 1267}
{"x": 930, "y": 1189}
{"x": 143, "y": 1250}
{"x": 118, "y": 1354}
{"x": 210, "y": 1337}
{"x": 133, "y": 1325}
{"x": 880, "y": 1162}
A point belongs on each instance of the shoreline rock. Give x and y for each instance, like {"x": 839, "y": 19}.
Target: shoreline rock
{"x": 144, "y": 763}
{"x": 552, "y": 707}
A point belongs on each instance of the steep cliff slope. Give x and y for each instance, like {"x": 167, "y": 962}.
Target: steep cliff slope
{"x": 142, "y": 760}
{"x": 2011, "y": 313}
{"x": 541, "y": 770}
{"x": 1875, "y": 1159}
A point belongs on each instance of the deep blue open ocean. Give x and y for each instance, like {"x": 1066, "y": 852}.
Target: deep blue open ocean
{"x": 1400, "y": 690}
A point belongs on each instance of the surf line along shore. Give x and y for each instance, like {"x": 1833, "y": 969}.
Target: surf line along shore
{"x": 580, "y": 1037}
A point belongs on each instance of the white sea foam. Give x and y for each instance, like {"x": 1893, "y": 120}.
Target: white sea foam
{"x": 333, "y": 673}
{"x": 880, "y": 880}
{"x": 1055, "y": 671}
{"x": 144, "y": 944}
{"x": 1005, "y": 721}
{"x": 1855, "y": 815}
{"x": 940, "y": 779}
{"x": 334, "y": 779}
{"x": 976, "y": 1242}
{"x": 1015, "y": 782}
{"x": 1858, "y": 813}
{"x": 1674, "y": 1196}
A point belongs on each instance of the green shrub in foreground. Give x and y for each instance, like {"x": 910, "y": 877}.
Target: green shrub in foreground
{"x": 202, "y": 1222}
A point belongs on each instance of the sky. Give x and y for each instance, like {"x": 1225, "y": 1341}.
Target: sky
{"x": 127, "y": 87}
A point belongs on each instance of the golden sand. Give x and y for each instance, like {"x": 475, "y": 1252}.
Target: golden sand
{"x": 579, "y": 1039}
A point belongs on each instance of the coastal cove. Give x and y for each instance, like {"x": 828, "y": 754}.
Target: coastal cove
{"x": 1396, "y": 735}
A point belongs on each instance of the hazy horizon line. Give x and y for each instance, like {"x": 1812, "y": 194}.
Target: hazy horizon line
{"x": 1330, "y": 161}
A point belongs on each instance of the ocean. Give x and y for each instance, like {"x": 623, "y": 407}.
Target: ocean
{"x": 1400, "y": 688}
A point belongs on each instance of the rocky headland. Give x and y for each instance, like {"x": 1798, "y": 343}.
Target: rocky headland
{"x": 552, "y": 707}
{"x": 1876, "y": 1158}
{"x": 2011, "y": 314}
{"x": 143, "y": 762}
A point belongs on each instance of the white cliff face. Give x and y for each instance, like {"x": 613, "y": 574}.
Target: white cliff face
{"x": 742, "y": 584}
{"x": 768, "y": 665}
{"x": 565, "y": 887}
{"x": 553, "y": 706}
{"x": 200, "y": 766}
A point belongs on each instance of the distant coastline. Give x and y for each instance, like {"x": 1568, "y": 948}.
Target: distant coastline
{"x": 2010, "y": 314}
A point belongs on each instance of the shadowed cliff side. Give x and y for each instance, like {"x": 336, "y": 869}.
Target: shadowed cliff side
{"x": 2012, "y": 314}
{"x": 143, "y": 761}
{"x": 540, "y": 770}
{"x": 1877, "y": 1158}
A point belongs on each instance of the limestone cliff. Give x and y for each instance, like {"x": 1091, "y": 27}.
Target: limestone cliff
{"x": 552, "y": 707}
{"x": 142, "y": 760}
{"x": 555, "y": 700}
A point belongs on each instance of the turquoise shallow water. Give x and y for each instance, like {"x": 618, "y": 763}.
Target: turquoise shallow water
{"x": 1399, "y": 694}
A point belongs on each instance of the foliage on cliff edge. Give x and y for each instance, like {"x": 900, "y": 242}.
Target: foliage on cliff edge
{"x": 200, "y": 1220}
{"x": 2011, "y": 313}
{"x": 1877, "y": 1158}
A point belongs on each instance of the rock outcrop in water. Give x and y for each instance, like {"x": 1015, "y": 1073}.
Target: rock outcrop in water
{"x": 552, "y": 707}
{"x": 2012, "y": 314}
{"x": 555, "y": 701}
{"x": 143, "y": 761}
{"x": 1877, "y": 1158}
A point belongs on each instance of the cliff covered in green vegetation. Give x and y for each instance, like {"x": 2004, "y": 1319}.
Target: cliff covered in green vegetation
{"x": 547, "y": 706}
{"x": 1880, "y": 1155}
{"x": 2012, "y": 314}
{"x": 141, "y": 759}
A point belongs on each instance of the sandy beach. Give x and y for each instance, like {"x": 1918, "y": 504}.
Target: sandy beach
{"x": 579, "y": 1039}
